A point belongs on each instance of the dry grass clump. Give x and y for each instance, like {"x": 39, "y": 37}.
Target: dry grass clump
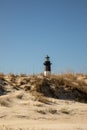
{"x": 1, "y": 76}
{"x": 19, "y": 96}
{"x": 22, "y": 81}
{"x": 46, "y": 111}
{"x": 65, "y": 111}
{"x": 5, "y": 101}
{"x": 23, "y": 75}
{"x": 11, "y": 77}
{"x": 63, "y": 79}
{"x": 44, "y": 86}
{"x": 52, "y": 111}
{"x": 39, "y": 104}
{"x": 39, "y": 97}
{"x": 41, "y": 111}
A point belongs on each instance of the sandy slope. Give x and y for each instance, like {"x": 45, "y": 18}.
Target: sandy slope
{"x": 20, "y": 110}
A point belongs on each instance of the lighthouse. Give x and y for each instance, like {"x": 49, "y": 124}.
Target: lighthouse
{"x": 47, "y": 64}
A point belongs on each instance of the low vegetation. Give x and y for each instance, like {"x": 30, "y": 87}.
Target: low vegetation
{"x": 63, "y": 86}
{"x": 5, "y": 101}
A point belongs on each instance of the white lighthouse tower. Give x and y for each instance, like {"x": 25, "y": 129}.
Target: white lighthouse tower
{"x": 47, "y": 64}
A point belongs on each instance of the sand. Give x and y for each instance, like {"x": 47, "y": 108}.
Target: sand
{"x": 19, "y": 110}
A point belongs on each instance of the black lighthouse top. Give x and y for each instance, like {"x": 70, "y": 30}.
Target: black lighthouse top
{"x": 47, "y": 63}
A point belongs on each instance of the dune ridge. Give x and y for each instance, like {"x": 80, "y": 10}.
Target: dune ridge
{"x": 35, "y": 102}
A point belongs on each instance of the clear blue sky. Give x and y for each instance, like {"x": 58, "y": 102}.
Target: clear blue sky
{"x": 31, "y": 29}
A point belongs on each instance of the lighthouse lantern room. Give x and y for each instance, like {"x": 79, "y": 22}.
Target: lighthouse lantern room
{"x": 47, "y": 64}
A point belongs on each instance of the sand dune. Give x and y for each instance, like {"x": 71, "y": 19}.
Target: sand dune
{"x": 26, "y": 103}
